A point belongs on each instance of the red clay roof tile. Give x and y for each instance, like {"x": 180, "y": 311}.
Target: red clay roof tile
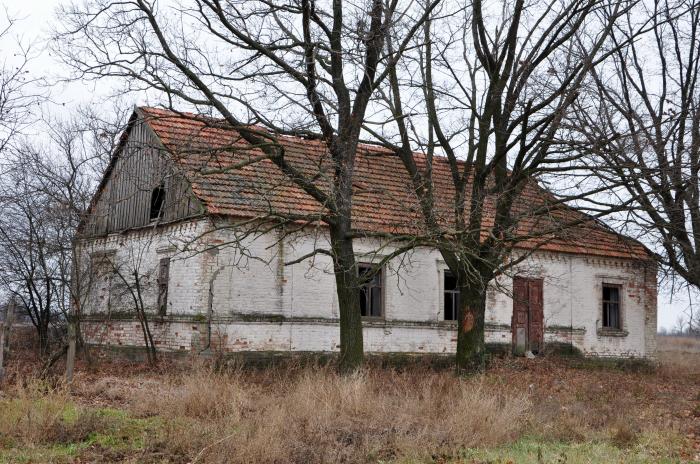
{"x": 383, "y": 200}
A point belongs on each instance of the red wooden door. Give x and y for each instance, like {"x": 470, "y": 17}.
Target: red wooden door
{"x": 536, "y": 317}
{"x": 527, "y": 323}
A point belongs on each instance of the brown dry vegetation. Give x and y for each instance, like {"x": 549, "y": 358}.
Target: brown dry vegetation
{"x": 520, "y": 410}
{"x": 673, "y": 344}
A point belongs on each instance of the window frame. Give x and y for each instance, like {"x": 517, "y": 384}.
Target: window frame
{"x": 162, "y": 284}
{"x": 158, "y": 192}
{"x": 380, "y": 274}
{"x": 443, "y": 299}
{"x": 620, "y": 304}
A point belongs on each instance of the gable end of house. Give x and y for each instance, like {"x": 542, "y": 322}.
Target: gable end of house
{"x": 142, "y": 186}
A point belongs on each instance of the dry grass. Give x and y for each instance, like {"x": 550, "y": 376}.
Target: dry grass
{"x": 314, "y": 415}
{"x": 681, "y": 345}
{"x": 679, "y": 355}
{"x": 38, "y": 413}
{"x": 293, "y": 414}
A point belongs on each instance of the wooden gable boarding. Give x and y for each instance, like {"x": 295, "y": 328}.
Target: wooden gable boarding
{"x": 139, "y": 166}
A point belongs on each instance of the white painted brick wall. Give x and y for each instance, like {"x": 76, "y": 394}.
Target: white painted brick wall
{"x": 248, "y": 285}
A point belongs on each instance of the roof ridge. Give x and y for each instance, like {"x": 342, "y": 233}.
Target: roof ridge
{"x": 301, "y": 135}
{"x": 243, "y": 191}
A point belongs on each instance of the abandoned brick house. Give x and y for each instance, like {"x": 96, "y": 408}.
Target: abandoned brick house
{"x": 169, "y": 214}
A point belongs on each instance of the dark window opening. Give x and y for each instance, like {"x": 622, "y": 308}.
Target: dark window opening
{"x": 157, "y": 202}
{"x": 163, "y": 277}
{"x": 451, "y": 297}
{"x": 611, "y": 307}
{"x": 370, "y": 292}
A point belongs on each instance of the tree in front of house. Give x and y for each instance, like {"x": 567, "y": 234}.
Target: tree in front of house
{"x": 302, "y": 66}
{"x": 488, "y": 103}
{"x": 133, "y": 283}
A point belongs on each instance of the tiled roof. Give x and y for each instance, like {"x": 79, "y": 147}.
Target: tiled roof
{"x": 210, "y": 153}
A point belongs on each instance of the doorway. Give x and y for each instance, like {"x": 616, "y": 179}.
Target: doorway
{"x": 528, "y": 315}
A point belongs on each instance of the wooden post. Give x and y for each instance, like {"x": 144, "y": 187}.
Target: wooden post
{"x": 70, "y": 357}
{"x": 5, "y": 335}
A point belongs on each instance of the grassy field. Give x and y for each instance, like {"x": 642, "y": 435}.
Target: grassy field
{"x": 552, "y": 410}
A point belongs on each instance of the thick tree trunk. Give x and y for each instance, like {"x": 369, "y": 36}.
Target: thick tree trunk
{"x": 345, "y": 267}
{"x": 470, "y": 330}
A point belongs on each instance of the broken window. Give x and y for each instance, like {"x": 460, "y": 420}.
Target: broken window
{"x": 451, "y": 296}
{"x": 370, "y": 292}
{"x": 157, "y": 202}
{"x": 611, "y": 307}
{"x": 163, "y": 277}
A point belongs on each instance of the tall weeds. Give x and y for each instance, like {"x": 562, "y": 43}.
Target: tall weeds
{"x": 315, "y": 415}
{"x": 294, "y": 414}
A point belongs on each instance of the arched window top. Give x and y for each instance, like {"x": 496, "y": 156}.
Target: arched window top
{"x": 157, "y": 202}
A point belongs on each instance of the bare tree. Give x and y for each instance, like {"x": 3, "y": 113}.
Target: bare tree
{"x": 493, "y": 96}
{"x": 28, "y": 268}
{"x": 642, "y": 115}
{"x": 19, "y": 92}
{"x": 135, "y": 283}
{"x": 298, "y": 66}
{"x": 20, "y": 95}
{"x": 46, "y": 189}
{"x": 67, "y": 168}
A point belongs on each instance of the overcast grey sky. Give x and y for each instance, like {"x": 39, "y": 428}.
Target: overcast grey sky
{"x": 34, "y": 18}
{"x": 33, "y": 22}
